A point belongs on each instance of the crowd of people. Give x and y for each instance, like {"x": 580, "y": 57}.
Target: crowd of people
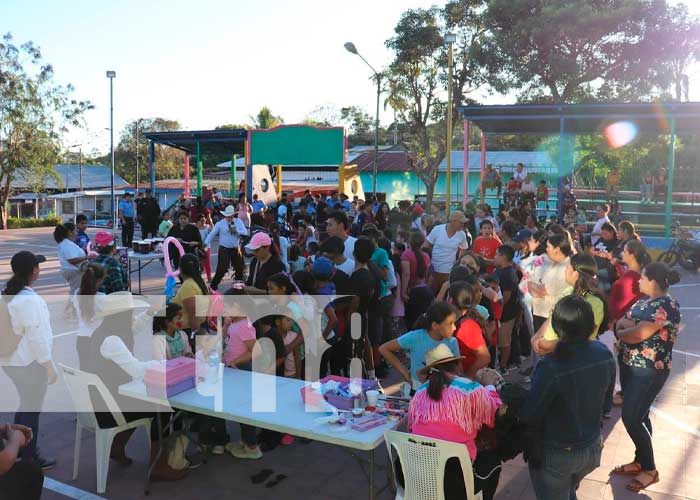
{"x": 454, "y": 304}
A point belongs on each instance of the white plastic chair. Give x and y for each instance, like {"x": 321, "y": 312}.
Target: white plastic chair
{"x": 423, "y": 463}
{"x": 78, "y": 383}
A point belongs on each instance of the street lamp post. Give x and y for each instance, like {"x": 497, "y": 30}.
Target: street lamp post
{"x": 111, "y": 75}
{"x": 138, "y": 122}
{"x": 450, "y": 39}
{"x": 350, "y": 47}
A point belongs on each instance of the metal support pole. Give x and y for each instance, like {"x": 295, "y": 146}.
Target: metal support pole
{"x": 483, "y": 166}
{"x": 152, "y": 164}
{"x": 200, "y": 182}
{"x": 234, "y": 160}
{"x": 376, "y": 136}
{"x": 186, "y": 190}
{"x": 137, "y": 156}
{"x": 279, "y": 182}
{"x": 671, "y": 167}
{"x": 111, "y": 149}
{"x": 448, "y": 148}
{"x": 562, "y": 155}
{"x": 80, "y": 160}
{"x": 465, "y": 175}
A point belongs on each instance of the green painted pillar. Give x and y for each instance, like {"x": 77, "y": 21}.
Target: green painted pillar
{"x": 234, "y": 160}
{"x": 200, "y": 181}
{"x": 671, "y": 166}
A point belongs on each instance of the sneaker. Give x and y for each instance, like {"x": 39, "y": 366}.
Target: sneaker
{"x": 234, "y": 446}
{"x": 45, "y": 463}
{"x": 287, "y": 439}
{"x": 246, "y": 452}
{"x": 218, "y": 449}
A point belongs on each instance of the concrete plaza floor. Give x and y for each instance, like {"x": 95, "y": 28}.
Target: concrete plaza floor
{"x": 320, "y": 471}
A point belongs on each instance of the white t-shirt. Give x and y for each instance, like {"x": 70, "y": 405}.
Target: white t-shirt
{"x": 553, "y": 277}
{"x": 290, "y": 366}
{"x": 349, "y": 248}
{"x": 528, "y": 187}
{"x": 520, "y": 176}
{"x": 69, "y": 250}
{"x": 348, "y": 267}
{"x": 85, "y": 328}
{"x": 445, "y": 248}
{"x": 596, "y": 229}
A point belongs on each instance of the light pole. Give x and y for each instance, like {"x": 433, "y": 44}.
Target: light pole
{"x": 80, "y": 155}
{"x": 111, "y": 75}
{"x": 138, "y": 122}
{"x": 350, "y": 47}
{"x": 450, "y": 39}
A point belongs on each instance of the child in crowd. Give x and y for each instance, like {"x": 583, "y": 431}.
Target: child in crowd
{"x": 486, "y": 244}
{"x": 165, "y": 225}
{"x": 81, "y": 237}
{"x": 297, "y": 262}
{"x": 542, "y": 198}
{"x": 646, "y": 189}
{"x": 570, "y": 217}
{"x": 170, "y": 341}
{"x": 205, "y": 255}
{"x": 497, "y": 311}
{"x": 398, "y": 310}
{"x": 581, "y": 220}
{"x": 508, "y": 284}
{"x": 322, "y": 272}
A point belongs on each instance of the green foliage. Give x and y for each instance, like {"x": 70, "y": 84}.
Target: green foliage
{"x": 15, "y": 223}
{"x": 265, "y": 119}
{"x": 34, "y": 112}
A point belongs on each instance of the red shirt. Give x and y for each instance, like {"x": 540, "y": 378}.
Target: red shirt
{"x": 623, "y": 294}
{"x": 410, "y": 256}
{"x": 470, "y": 338}
{"x": 486, "y": 247}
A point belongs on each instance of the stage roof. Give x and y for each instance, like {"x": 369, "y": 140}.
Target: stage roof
{"x": 649, "y": 118}
{"x": 210, "y": 141}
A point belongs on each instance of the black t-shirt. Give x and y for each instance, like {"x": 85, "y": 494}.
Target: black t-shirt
{"x": 259, "y": 274}
{"x": 342, "y": 282}
{"x": 488, "y": 305}
{"x": 508, "y": 281}
{"x": 187, "y": 234}
{"x": 366, "y": 287}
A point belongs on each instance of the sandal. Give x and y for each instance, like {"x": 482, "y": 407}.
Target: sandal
{"x": 630, "y": 469}
{"x": 636, "y": 485}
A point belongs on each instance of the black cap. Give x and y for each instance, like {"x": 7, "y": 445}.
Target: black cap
{"x": 523, "y": 235}
{"x": 24, "y": 262}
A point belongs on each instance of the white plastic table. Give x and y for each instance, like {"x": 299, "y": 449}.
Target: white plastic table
{"x": 290, "y": 417}
{"x": 143, "y": 260}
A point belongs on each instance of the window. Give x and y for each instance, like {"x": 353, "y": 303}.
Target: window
{"x": 99, "y": 205}
{"x": 68, "y": 206}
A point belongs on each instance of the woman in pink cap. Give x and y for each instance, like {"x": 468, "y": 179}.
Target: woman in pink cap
{"x": 266, "y": 262}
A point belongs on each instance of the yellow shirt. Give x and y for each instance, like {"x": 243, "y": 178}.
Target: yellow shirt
{"x": 598, "y": 313}
{"x": 189, "y": 288}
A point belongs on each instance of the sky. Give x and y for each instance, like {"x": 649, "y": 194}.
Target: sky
{"x": 211, "y": 62}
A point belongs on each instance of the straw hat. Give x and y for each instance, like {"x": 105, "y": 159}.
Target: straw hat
{"x": 437, "y": 356}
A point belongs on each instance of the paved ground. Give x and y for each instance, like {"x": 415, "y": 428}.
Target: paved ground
{"x": 319, "y": 471}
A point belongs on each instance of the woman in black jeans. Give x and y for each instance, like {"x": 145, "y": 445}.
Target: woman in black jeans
{"x": 647, "y": 335}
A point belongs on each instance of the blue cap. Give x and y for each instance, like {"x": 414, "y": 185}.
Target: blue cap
{"x": 523, "y": 235}
{"x": 322, "y": 268}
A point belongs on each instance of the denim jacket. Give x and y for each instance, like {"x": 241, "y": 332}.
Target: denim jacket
{"x": 566, "y": 397}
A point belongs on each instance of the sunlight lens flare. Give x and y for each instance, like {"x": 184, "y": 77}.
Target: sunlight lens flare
{"x": 620, "y": 134}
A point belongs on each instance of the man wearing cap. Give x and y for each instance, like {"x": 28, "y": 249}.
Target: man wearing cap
{"x": 229, "y": 230}
{"x": 127, "y": 211}
{"x": 29, "y": 365}
{"x": 448, "y": 242}
{"x": 265, "y": 263}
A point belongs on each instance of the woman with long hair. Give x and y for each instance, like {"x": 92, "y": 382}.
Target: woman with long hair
{"x": 625, "y": 291}
{"x": 245, "y": 210}
{"x": 436, "y": 326}
{"x": 415, "y": 292}
{"x": 567, "y": 412}
{"x": 547, "y": 281}
{"x": 84, "y": 302}
{"x": 192, "y": 286}
{"x": 381, "y": 220}
{"x": 30, "y": 365}
{"x": 281, "y": 244}
{"x": 71, "y": 257}
{"x": 465, "y": 296}
{"x": 647, "y": 335}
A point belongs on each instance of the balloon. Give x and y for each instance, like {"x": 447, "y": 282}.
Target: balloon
{"x": 170, "y": 284}
{"x": 166, "y": 255}
{"x": 88, "y": 250}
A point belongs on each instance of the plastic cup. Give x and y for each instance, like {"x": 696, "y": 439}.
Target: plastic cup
{"x": 372, "y": 398}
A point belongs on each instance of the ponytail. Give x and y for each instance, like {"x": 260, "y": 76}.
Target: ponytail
{"x": 439, "y": 378}
{"x": 16, "y": 284}
{"x": 60, "y": 233}
{"x": 416, "y": 240}
{"x": 88, "y": 289}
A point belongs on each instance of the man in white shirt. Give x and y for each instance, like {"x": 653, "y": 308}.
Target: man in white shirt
{"x": 338, "y": 225}
{"x": 520, "y": 173}
{"x": 229, "y": 230}
{"x": 448, "y": 242}
{"x": 602, "y": 213}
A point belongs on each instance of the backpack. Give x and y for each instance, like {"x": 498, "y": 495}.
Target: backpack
{"x": 9, "y": 340}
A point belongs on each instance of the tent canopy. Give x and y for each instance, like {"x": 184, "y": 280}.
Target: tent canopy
{"x": 649, "y": 118}
{"x": 224, "y": 141}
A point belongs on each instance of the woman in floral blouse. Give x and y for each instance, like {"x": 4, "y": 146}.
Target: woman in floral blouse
{"x": 647, "y": 334}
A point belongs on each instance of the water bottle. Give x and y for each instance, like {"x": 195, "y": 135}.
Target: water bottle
{"x": 213, "y": 364}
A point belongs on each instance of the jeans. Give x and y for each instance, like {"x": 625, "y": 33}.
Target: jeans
{"x": 562, "y": 471}
{"x": 228, "y": 257}
{"x": 641, "y": 386}
{"x": 31, "y": 382}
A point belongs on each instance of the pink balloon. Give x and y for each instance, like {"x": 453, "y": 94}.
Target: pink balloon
{"x": 88, "y": 250}
{"x": 166, "y": 255}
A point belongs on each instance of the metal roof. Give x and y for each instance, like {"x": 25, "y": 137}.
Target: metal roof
{"x": 533, "y": 160}
{"x": 79, "y": 194}
{"x": 211, "y": 141}
{"x": 651, "y": 118}
{"x": 94, "y": 177}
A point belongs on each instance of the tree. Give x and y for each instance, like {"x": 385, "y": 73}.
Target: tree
{"x": 265, "y": 119}
{"x": 34, "y": 112}
{"x": 325, "y": 115}
{"x": 169, "y": 161}
{"x": 418, "y": 77}
{"x": 578, "y": 50}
